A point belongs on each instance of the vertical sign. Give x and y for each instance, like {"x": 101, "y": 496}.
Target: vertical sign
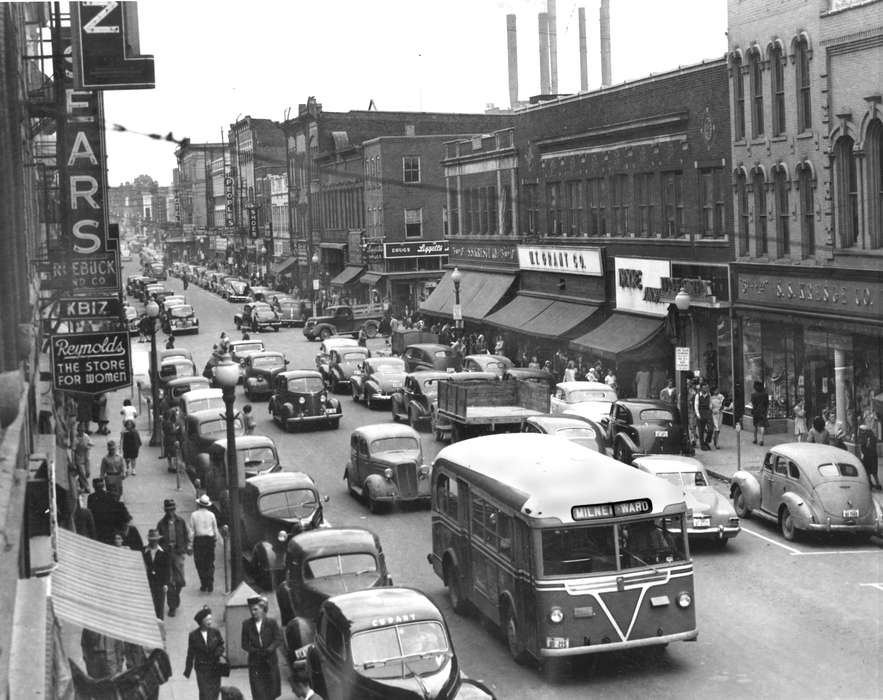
{"x": 229, "y": 217}
{"x": 252, "y": 221}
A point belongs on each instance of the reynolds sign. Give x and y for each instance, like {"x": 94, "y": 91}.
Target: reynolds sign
{"x": 416, "y": 249}
{"x": 91, "y": 363}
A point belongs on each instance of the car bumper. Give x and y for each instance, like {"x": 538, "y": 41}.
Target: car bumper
{"x": 405, "y": 499}
{"x": 689, "y": 636}
{"x": 329, "y": 414}
{"x": 840, "y": 527}
{"x": 713, "y": 532}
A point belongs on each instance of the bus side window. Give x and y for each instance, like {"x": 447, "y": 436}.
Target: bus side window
{"x": 504, "y": 530}
{"x": 446, "y": 498}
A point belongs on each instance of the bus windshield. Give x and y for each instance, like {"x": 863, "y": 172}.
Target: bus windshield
{"x": 596, "y": 548}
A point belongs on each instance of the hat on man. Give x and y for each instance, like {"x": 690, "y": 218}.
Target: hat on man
{"x": 98, "y": 483}
{"x": 204, "y": 501}
{"x": 111, "y": 443}
{"x": 168, "y": 503}
{"x": 202, "y": 614}
{"x": 153, "y": 535}
{"x": 258, "y": 600}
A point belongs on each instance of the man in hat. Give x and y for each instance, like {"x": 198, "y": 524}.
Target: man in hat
{"x": 109, "y": 514}
{"x": 176, "y": 542}
{"x": 204, "y": 532}
{"x": 156, "y": 561}
{"x": 261, "y": 637}
{"x": 113, "y": 469}
{"x": 205, "y": 647}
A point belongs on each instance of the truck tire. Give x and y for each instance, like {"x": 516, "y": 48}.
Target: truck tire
{"x": 325, "y": 333}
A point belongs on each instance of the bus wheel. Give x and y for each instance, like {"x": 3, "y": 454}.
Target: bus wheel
{"x": 513, "y": 637}
{"x": 452, "y": 578}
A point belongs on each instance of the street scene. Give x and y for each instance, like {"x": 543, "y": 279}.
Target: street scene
{"x": 573, "y": 396}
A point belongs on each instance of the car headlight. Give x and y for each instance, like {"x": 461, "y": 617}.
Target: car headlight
{"x": 685, "y": 600}
{"x": 424, "y": 471}
{"x": 556, "y": 615}
{"x": 282, "y": 536}
{"x": 387, "y": 473}
{"x": 323, "y": 398}
{"x": 301, "y": 400}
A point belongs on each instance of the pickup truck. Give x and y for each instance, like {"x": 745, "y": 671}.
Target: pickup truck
{"x": 344, "y": 320}
{"x": 496, "y": 405}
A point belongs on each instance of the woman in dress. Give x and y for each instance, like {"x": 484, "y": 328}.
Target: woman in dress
{"x": 800, "y": 430}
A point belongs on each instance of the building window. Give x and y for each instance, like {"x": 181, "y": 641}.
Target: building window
{"x": 620, "y": 202}
{"x": 760, "y": 213}
{"x": 454, "y": 214}
{"x": 553, "y": 198}
{"x": 807, "y": 211}
{"x": 575, "y": 201}
{"x": 707, "y": 201}
{"x": 413, "y": 223}
{"x": 597, "y": 206}
{"x": 846, "y": 192}
{"x": 673, "y": 203}
{"x": 783, "y": 214}
{"x": 532, "y": 207}
{"x": 804, "y": 100}
{"x": 777, "y": 88}
{"x": 755, "y": 69}
{"x": 874, "y": 162}
{"x": 506, "y": 204}
{"x": 492, "y": 223}
{"x": 738, "y": 99}
{"x": 645, "y": 195}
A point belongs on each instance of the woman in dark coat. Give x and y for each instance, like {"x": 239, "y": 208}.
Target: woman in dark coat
{"x": 760, "y": 406}
{"x": 261, "y": 637}
{"x": 205, "y": 647}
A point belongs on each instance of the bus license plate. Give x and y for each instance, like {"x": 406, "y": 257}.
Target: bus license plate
{"x": 701, "y": 522}
{"x": 661, "y": 433}
{"x": 557, "y": 642}
{"x": 851, "y": 513}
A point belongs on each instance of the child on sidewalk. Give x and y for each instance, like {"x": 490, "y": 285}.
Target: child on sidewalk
{"x": 128, "y": 412}
{"x": 248, "y": 421}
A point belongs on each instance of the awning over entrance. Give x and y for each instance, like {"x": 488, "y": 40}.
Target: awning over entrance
{"x": 104, "y": 588}
{"x": 371, "y": 278}
{"x": 348, "y": 276}
{"x": 333, "y": 246}
{"x": 479, "y": 293}
{"x": 281, "y": 266}
{"x": 619, "y": 335}
{"x": 546, "y": 318}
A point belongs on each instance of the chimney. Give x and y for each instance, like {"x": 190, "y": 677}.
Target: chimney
{"x": 583, "y": 53}
{"x": 605, "y": 43}
{"x": 544, "y": 53}
{"x": 512, "y": 43}
{"x": 553, "y": 46}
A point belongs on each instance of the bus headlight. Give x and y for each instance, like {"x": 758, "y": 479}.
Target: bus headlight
{"x": 685, "y": 600}
{"x": 301, "y": 400}
{"x": 556, "y": 615}
{"x": 387, "y": 473}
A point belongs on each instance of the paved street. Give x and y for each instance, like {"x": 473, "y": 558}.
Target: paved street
{"x": 775, "y": 619}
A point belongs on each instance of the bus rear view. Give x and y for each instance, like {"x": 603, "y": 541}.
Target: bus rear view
{"x": 568, "y": 551}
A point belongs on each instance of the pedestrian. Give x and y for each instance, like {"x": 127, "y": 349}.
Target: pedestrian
{"x": 592, "y": 375}
{"x": 245, "y": 335}
{"x": 171, "y": 436}
{"x": 642, "y": 383}
{"x": 534, "y": 362}
{"x": 704, "y": 420}
{"x": 131, "y": 536}
{"x": 261, "y": 637}
{"x": 500, "y": 346}
{"x": 131, "y": 442}
{"x": 866, "y": 445}
{"x": 760, "y": 405}
{"x": 176, "y": 541}
{"x": 547, "y": 366}
{"x": 103, "y": 655}
{"x": 717, "y": 414}
{"x": 204, "y": 534}
{"x": 830, "y": 421}
{"x": 610, "y": 379}
{"x": 100, "y": 408}
{"x": 248, "y": 419}
{"x": 82, "y": 445}
{"x": 800, "y": 430}
{"x": 570, "y": 371}
{"x": 128, "y": 411}
{"x": 113, "y": 470}
{"x": 107, "y": 515}
{"x": 363, "y": 338}
{"x": 186, "y": 281}
{"x": 170, "y": 343}
{"x": 224, "y": 342}
{"x": 84, "y": 522}
{"x": 205, "y": 654}
{"x": 84, "y": 414}
{"x": 301, "y": 688}
{"x": 818, "y": 434}
{"x": 157, "y": 565}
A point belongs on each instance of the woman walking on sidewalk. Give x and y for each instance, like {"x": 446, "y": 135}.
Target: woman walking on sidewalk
{"x": 800, "y": 430}
{"x": 717, "y": 414}
{"x": 760, "y": 405}
{"x": 131, "y": 440}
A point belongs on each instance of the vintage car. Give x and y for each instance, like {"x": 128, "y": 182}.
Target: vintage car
{"x": 172, "y": 300}
{"x": 200, "y": 431}
{"x": 591, "y": 400}
{"x": 135, "y": 282}
{"x": 293, "y": 312}
{"x": 414, "y": 401}
{"x": 255, "y": 455}
{"x": 713, "y": 517}
{"x": 529, "y": 374}
{"x": 173, "y": 368}
{"x": 259, "y": 368}
{"x": 377, "y": 379}
{"x": 166, "y": 353}
{"x": 256, "y": 316}
{"x": 384, "y": 644}
{"x": 176, "y": 388}
{"x": 323, "y": 357}
{"x": 440, "y": 426}
{"x": 430, "y": 356}
{"x": 808, "y": 487}
{"x": 386, "y": 466}
{"x": 342, "y": 364}
{"x": 579, "y": 430}
{"x": 155, "y": 290}
{"x": 638, "y": 427}
{"x": 275, "y": 507}
{"x": 260, "y": 293}
{"x": 156, "y": 269}
{"x": 180, "y": 319}
{"x": 235, "y": 292}
{"x": 240, "y": 349}
{"x": 132, "y": 319}
{"x": 498, "y": 364}
{"x": 200, "y": 400}
{"x": 300, "y": 398}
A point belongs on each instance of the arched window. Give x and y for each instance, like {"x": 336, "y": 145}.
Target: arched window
{"x": 738, "y": 98}
{"x": 755, "y": 70}
{"x": 742, "y": 210}
{"x": 777, "y": 88}
{"x": 846, "y": 197}
{"x": 758, "y": 183}
{"x": 874, "y": 161}
{"x": 804, "y": 101}
{"x": 807, "y": 210}
{"x": 783, "y": 214}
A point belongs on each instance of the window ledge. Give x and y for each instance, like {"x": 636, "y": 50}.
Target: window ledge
{"x": 758, "y": 141}
{"x": 779, "y": 139}
{"x": 859, "y": 252}
{"x": 803, "y": 135}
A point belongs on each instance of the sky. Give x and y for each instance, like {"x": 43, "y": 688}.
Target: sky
{"x": 218, "y": 60}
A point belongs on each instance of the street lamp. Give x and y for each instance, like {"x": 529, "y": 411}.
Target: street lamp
{"x": 227, "y": 377}
{"x": 315, "y": 269}
{"x": 456, "y": 278}
{"x": 682, "y": 303}
{"x": 152, "y": 311}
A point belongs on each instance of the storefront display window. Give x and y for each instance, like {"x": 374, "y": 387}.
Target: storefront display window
{"x": 724, "y": 357}
{"x": 868, "y": 370}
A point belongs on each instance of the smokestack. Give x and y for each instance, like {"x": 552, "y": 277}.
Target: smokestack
{"x": 553, "y": 46}
{"x": 544, "y": 53}
{"x": 583, "y": 53}
{"x": 512, "y": 43}
{"x": 605, "y": 43}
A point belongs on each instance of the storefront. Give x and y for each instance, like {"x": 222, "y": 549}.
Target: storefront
{"x": 815, "y": 337}
{"x": 411, "y": 272}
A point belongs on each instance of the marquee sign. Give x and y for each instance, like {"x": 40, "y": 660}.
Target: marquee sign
{"x": 416, "y": 249}
{"x": 620, "y": 509}
{"x": 91, "y": 363}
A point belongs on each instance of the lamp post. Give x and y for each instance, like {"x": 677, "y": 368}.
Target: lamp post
{"x": 315, "y": 270}
{"x": 152, "y": 310}
{"x": 682, "y": 303}
{"x": 456, "y": 278}
{"x": 227, "y": 376}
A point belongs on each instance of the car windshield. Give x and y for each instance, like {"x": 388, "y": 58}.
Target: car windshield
{"x": 585, "y": 550}
{"x": 340, "y": 565}
{"x": 395, "y": 444}
{"x": 656, "y": 415}
{"x": 210, "y": 428}
{"x": 684, "y": 480}
{"x": 352, "y": 357}
{"x": 182, "y": 311}
{"x": 268, "y": 362}
{"x": 297, "y": 504}
{"x": 581, "y": 436}
{"x": 580, "y": 395}
{"x": 443, "y": 353}
{"x": 402, "y": 651}
{"x": 305, "y": 385}
{"x": 241, "y": 348}
{"x": 208, "y": 402}
{"x": 393, "y": 365}
{"x": 258, "y": 458}
{"x": 180, "y": 367}
{"x": 835, "y": 469}
{"x": 237, "y": 287}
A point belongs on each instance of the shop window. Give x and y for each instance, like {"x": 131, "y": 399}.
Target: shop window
{"x": 673, "y": 203}
{"x": 413, "y": 223}
{"x": 553, "y": 200}
{"x": 755, "y": 71}
{"x": 783, "y": 213}
{"x": 807, "y": 210}
{"x": 777, "y": 88}
{"x": 874, "y": 161}
{"x": 846, "y": 192}
{"x": 803, "y": 83}
{"x": 711, "y": 202}
{"x": 645, "y": 187}
{"x": 506, "y": 204}
{"x": 868, "y": 373}
{"x": 760, "y": 213}
{"x": 738, "y": 98}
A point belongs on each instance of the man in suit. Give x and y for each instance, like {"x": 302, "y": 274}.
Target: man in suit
{"x": 156, "y": 561}
{"x": 109, "y": 514}
{"x": 261, "y": 637}
{"x": 176, "y": 542}
{"x": 205, "y": 647}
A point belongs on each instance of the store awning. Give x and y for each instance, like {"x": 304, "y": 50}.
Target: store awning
{"x": 371, "y": 278}
{"x": 619, "y": 335}
{"x": 479, "y": 293}
{"x": 104, "y": 588}
{"x": 333, "y": 246}
{"x": 281, "y": 266}
{"x": 348, "y": 276}
{"x": 547, "y": 318}
{"x": 518, "y": 313}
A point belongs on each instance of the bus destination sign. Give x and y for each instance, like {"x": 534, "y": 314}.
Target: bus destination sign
{"x": 621, "y": 509}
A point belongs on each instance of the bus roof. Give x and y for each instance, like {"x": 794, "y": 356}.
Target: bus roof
{"x": 544, "y": 476}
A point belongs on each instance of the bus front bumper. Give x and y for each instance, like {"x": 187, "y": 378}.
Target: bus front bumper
{"x": 689, "y": 636}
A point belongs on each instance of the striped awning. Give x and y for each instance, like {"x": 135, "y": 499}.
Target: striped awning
{"x": 104, "y": 588}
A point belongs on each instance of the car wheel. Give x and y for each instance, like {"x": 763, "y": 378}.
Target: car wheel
{"x": 622, "y": 453}
{"x": 355, "y": 393}
{"x": 325, "y": 334}
{"x": 412, "y": 418}
{"x": 369, "y": 401}
{"x": 455, "y": 593}
{"x": 349, "y": 485}
{"x": 374, "y": 505}
{"x": 514, "y": 642}
{"x": 739, "y": 503}
{"x": 789, "y": 529}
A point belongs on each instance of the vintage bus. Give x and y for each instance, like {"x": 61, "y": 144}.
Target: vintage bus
{"x": 567, "y": 550}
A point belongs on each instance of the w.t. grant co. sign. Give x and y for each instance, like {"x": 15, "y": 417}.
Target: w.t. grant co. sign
{"x": 91, "y": 363}
{"x": 416, "y": 249}
{"x": 817, "y": 293}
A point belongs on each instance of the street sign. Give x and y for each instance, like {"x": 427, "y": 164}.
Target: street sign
{"x": 458, "y": 312}
{"x": 91, "y": 363}
{"x": 315, "y": 285}
{"x": 73, "y": 308}
{"x": 682, "y": 359}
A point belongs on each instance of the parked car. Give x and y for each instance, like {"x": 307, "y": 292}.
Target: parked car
{"x": 323, "y": 357}
{"x": 260, "y": 293}
{"x": 293, "y": 312}
{"x": 255, "y": 455}
{"x": 579, "y": 430}
{"x": 713, "y": 517}
{"x": 273, "y": 504}
{"x": 377, "y": 379}
{"x": 440, "y": 426}
{"x": 234, "y": 291}
{"x": 173, "y": 368}
{"x": 383, "y": 643}
{"x": 414, "y": 401}
{"x": 156, "y": 270}
{"x": 300, "y": 398}
{"x": 201, "y": 430}
{"x": 498, "y": 364}
{"x": 177, "y": 388}
{"x": 807, "y": 487}
{"x": 200, "y": 400}
{"x": 386, "y": 466}
{"x": 591, "y": 400}
{"x": 256, "y": 316}
{"x": 342, "y": 320}
{"x": 342, "y": 363}
{"x": 259, "y": 369}
{"x": 134, "y": 282}
{"x": 637, "y": 427}
{"x": 430, "y": 356}
{"x": 133, "y": 320}
{"x": 172, "y": 300}
{"x": 180, "y": 319}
